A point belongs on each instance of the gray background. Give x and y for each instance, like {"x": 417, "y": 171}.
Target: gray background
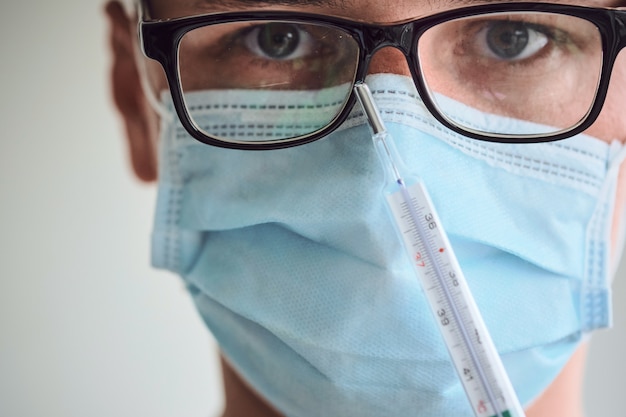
{"x": 87, "y": 328}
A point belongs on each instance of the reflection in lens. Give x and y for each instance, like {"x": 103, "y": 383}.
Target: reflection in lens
{"x": 542, "y": 68}
{"x": 266, "y": 80}
{"x": 246, "y": 115}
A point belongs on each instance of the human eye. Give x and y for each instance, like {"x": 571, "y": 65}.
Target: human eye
{"x": 279, "y": 41}
{"x": 512, "y": 40}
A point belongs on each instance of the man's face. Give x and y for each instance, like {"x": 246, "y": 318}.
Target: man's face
{"x": 142, "y": 125}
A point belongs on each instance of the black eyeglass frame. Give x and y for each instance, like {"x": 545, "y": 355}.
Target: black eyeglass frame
{"x": 160, "y": 40}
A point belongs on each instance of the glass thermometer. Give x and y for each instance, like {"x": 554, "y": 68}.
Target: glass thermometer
{"x": 469, "y": 344}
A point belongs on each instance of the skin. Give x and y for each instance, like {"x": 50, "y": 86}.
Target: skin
{"x": 563, "y": 396}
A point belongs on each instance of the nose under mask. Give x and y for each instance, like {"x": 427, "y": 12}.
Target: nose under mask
{"x": 295, "y": 268}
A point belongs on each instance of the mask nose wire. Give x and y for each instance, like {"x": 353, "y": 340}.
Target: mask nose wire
{"x": 387, "y": 59}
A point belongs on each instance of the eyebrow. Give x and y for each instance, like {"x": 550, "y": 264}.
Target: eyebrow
{"x": 345, "y": 4}
{"x": 240, "y": 3}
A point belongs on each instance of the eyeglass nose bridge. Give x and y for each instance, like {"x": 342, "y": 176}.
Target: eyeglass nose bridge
{"x": 376, "y": 37}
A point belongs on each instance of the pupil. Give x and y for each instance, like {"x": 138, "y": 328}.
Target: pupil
{"x": 278, "y": 40}
{"x": 507, "y": 39}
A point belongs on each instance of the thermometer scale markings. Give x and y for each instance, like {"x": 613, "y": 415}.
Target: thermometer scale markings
{"x": 446, "y": 304}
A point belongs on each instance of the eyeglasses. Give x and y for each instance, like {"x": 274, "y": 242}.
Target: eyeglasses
{"x": 275, "y": 79}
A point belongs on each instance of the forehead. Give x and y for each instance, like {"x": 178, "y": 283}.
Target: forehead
{"x": 366, "y": 10}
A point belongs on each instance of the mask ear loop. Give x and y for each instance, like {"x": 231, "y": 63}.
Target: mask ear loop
{"x": 620, "y": 243}
{"x": 595, "y": 290}
{"x": 618, "y": 151}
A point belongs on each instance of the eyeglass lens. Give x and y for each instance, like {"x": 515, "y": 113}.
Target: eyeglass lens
{"x": 266, "y": 80}
{"x": 541, "y": 68}
{"x": 277, "y": 80}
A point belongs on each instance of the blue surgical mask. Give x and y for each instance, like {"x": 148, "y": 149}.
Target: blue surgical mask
{"x": 294, "y": 266}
